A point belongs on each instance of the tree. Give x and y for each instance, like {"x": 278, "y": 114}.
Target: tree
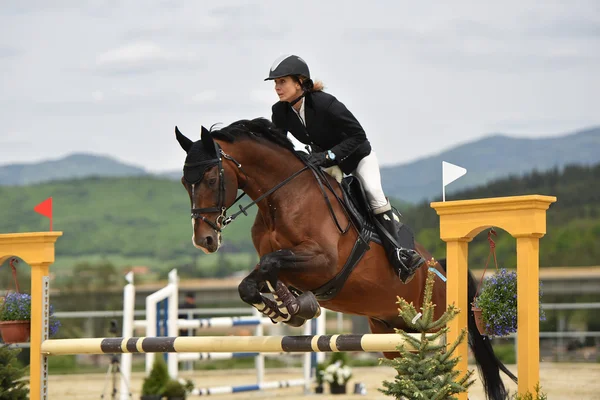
{"x": 426, "y": 373}
{"x": 13, "y": 386}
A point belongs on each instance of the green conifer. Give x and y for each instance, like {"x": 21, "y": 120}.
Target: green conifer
{"x": 13, "y": 386}
{"x": 425, "y": 369}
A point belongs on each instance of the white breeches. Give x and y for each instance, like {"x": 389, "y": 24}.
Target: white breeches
{"x": 368, "y": 173}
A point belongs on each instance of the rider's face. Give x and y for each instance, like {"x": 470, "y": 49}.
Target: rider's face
{"x": 287, "y": 89}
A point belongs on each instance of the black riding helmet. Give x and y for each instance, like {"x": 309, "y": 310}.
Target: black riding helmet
{"x": 288, "y": 65}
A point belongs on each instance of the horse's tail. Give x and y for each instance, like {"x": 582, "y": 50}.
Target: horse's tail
{"x": 487, "y": 363}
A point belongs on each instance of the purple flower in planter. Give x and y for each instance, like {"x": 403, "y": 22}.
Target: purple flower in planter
{"x": 17, "y": 307}
{"x": 498, "y": 301}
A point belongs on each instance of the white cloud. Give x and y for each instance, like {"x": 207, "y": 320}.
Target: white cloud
{"x": 266, "y": 97}
{"x": 132, "y": 53}
{"x": 206, "y": 96}
{"x": 98, "y": 95}
{"x": 419, "y": 81}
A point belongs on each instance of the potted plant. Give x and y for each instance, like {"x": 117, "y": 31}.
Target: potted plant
{"x": 15, "y": 318}
{"x": 154, "y": 384}
{"x": 337, "y": 373}
{"x": 174, "y": 390}
{"x": 319, "y": 371}
{"x": 495, "y": 308}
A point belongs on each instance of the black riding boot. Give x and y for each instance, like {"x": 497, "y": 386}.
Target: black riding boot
{"x": 404, "y": 259}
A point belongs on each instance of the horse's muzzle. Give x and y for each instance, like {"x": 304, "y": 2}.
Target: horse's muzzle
{"x": 207, "y": 240}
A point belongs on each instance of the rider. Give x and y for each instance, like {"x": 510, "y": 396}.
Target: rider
{"x": 337, "y": 138}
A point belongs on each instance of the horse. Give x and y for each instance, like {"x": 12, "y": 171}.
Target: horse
{"x": 316, "y": 249}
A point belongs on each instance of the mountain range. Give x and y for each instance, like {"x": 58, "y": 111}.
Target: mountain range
{"x": 489, "y": 158}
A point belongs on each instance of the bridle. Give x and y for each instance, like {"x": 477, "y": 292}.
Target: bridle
{"x": 222, "y": 220}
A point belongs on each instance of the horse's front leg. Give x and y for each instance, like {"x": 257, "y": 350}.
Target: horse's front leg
{"x": 289, "y": 309}
{"x": 250, "y": 292}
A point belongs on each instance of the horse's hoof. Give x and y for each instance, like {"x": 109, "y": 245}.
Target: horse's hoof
{"x": 309, "y": 306}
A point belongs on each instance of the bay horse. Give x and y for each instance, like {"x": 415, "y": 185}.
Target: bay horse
{"x": 314, "y": 248}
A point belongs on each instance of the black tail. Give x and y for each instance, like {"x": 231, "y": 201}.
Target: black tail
{"x": 487, "y": 363}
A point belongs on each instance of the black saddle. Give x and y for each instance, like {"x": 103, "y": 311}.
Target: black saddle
{"x": 360, "y": 211}
{"x": 358, "y": 207}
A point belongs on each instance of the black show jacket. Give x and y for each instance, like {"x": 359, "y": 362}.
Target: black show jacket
{"x": 329, "y": 126}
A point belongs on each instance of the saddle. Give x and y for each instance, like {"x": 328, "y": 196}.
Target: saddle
{"x": 357, "y": 206}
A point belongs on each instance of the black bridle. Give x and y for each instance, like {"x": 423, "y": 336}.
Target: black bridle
{"x": 222, "y": 220}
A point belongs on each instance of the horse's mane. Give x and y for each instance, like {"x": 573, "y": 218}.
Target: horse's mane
{"x": 254, "y": 128}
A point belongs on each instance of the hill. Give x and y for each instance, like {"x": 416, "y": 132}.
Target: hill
{"x": 77, "y": 165}
{"x": 573, "y": 222}
{"x": 145, "y": 221}
{"x": 490, "y": 158}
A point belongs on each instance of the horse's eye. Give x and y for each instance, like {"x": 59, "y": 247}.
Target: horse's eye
{"x": 212, "y": 181}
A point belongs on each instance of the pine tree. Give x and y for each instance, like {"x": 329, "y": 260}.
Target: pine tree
{"x": 424, "y": 369}
{"x": 13, "y": 386}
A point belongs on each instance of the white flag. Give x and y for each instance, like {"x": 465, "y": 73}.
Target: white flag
{"x": 450, "y": 173}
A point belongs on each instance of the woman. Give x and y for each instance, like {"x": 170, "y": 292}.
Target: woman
{"x": 337, "y": 138}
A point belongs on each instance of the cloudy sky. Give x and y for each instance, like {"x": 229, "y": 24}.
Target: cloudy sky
{"x": 115, "y": 77}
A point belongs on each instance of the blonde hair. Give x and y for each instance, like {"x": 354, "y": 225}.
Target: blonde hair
{"x": 318, "y": 86}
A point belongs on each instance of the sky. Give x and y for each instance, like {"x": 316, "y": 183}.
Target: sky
{"x": 115, "y": 77}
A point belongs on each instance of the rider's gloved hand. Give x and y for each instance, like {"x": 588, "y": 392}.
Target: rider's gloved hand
{"x": 320, "y": 159}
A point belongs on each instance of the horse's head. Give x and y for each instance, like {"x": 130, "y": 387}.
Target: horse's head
{"x": 212, "y": 186}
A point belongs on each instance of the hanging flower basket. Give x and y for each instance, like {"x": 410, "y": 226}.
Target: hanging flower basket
{"x": 15, "y": 331}
{"x": 495, "y": 303}
{"x": 477, "y": 313}
{"x": 15, "y": 314}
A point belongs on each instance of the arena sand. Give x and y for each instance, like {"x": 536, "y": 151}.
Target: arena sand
{"x": 559, "y": 381}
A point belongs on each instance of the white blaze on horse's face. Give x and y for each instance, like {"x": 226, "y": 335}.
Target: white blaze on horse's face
{"x": 197, "y": 244}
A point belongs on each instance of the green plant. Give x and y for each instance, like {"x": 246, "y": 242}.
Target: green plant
{"x": 17, "y": 307}
{"x": 174, "y": 388}
{"x": 425, "y": 370}
{"x": 337, "y": 373}
{"x": 498, "y": 302}
{"x": 528, "y": 396}
{"x": 155, "y": 382}
{"x": 13, "y": 386}
{"x": 319, "y": 373}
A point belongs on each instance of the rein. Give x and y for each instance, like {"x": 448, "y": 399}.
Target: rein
{"x": 230, "y": 219}
{"x": 222, "y": 220}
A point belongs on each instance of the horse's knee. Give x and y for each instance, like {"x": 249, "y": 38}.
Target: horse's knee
{"x": 249, "y": 292}
{"x": 271, "y": 263}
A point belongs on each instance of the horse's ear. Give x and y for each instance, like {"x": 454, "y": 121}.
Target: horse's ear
{"x": 184, "y": 142}
{"x": 207, "y": 141}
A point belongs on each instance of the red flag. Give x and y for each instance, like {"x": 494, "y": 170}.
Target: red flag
{"x": 45, "y": 208}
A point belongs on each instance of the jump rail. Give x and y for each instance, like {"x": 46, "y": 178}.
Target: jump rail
{"x": 387, "y": 342}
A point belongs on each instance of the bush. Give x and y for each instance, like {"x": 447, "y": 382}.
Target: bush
{"x": 174, "y": 388}
{"x": 539, "y": 395}
{"x": 156, "y": 382}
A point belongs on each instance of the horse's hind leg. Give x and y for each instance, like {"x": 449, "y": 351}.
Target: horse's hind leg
{"x": 379, "y": 326}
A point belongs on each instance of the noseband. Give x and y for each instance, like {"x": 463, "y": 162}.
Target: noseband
{"x": 221, "y": 220}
